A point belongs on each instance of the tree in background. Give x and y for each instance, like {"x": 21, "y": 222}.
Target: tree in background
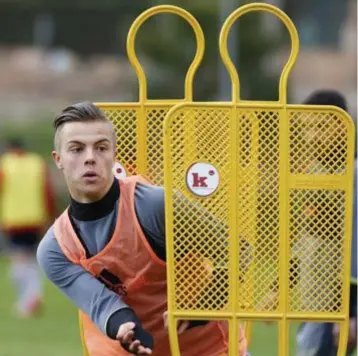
{"x": 84, "y": 26}
{"x": 165, "y": 44}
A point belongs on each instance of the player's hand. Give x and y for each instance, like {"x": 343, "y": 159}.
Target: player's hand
{"x": 125, "y": 336}
{"x": 182, "y": 324}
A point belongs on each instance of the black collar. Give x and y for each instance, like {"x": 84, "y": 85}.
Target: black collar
{"x": 97, "y": 209}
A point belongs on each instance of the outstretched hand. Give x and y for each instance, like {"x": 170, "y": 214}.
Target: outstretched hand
{"x": 127, "y": 337}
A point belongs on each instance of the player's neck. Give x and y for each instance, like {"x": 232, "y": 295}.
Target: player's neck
{"x": 93, "y": 210}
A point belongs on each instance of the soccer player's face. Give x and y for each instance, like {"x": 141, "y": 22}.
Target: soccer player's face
{"x": 86, "y": 155}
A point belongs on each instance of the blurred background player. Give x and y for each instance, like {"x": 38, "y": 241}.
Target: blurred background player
{"x": 26, "y": 206}
{"x": 321, "y": 339}
{"x": 313, "y": 338}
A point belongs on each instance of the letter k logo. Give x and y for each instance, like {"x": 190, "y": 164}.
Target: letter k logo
{"x": 199, "y": 181}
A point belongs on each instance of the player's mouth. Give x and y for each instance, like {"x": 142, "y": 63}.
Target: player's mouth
{"x": 90, "y": 176}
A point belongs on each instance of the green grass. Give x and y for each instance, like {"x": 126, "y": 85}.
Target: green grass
{"x": 265, "y": 340}
{"x": 53, "y": 334}
{"x": 56, "y": 333}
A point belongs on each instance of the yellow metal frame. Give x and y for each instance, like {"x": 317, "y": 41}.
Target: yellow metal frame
{"x": 287, "y": 181}
{"x": 234, "y": 76}
{"x": 144, "y": 105}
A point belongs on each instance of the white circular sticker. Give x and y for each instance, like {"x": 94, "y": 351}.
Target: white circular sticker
{"x": 119, "y": 171}
{"x": 202, "y": 179}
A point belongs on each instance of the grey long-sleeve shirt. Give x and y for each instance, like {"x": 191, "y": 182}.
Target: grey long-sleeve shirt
{"x": 94, "y": 223}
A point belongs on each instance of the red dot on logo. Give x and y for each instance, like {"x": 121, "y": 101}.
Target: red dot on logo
{"x": 119, "y": 170}
{"x": 211, "y": 172}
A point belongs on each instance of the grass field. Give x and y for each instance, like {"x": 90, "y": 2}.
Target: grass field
{"x": 56, "y": 332}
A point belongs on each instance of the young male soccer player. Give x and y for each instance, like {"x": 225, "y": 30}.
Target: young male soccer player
{"x": 106, "y": 252}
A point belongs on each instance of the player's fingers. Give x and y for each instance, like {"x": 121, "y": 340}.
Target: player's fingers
{"x": 124, "y": 329}
{"x": 143, "y": 351}
{"x": 128, "y": 337}
{"x": 133, "y": 347}
{"x": 183, "y": 325}
{"x": 165, "y": 319}
{"x": 138, "y": 349}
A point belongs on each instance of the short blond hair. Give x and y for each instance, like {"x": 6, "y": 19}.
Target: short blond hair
{"x": 80, "y": 112}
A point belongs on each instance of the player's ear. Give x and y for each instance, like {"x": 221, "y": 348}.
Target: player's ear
{"x": 57, "y": 159}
